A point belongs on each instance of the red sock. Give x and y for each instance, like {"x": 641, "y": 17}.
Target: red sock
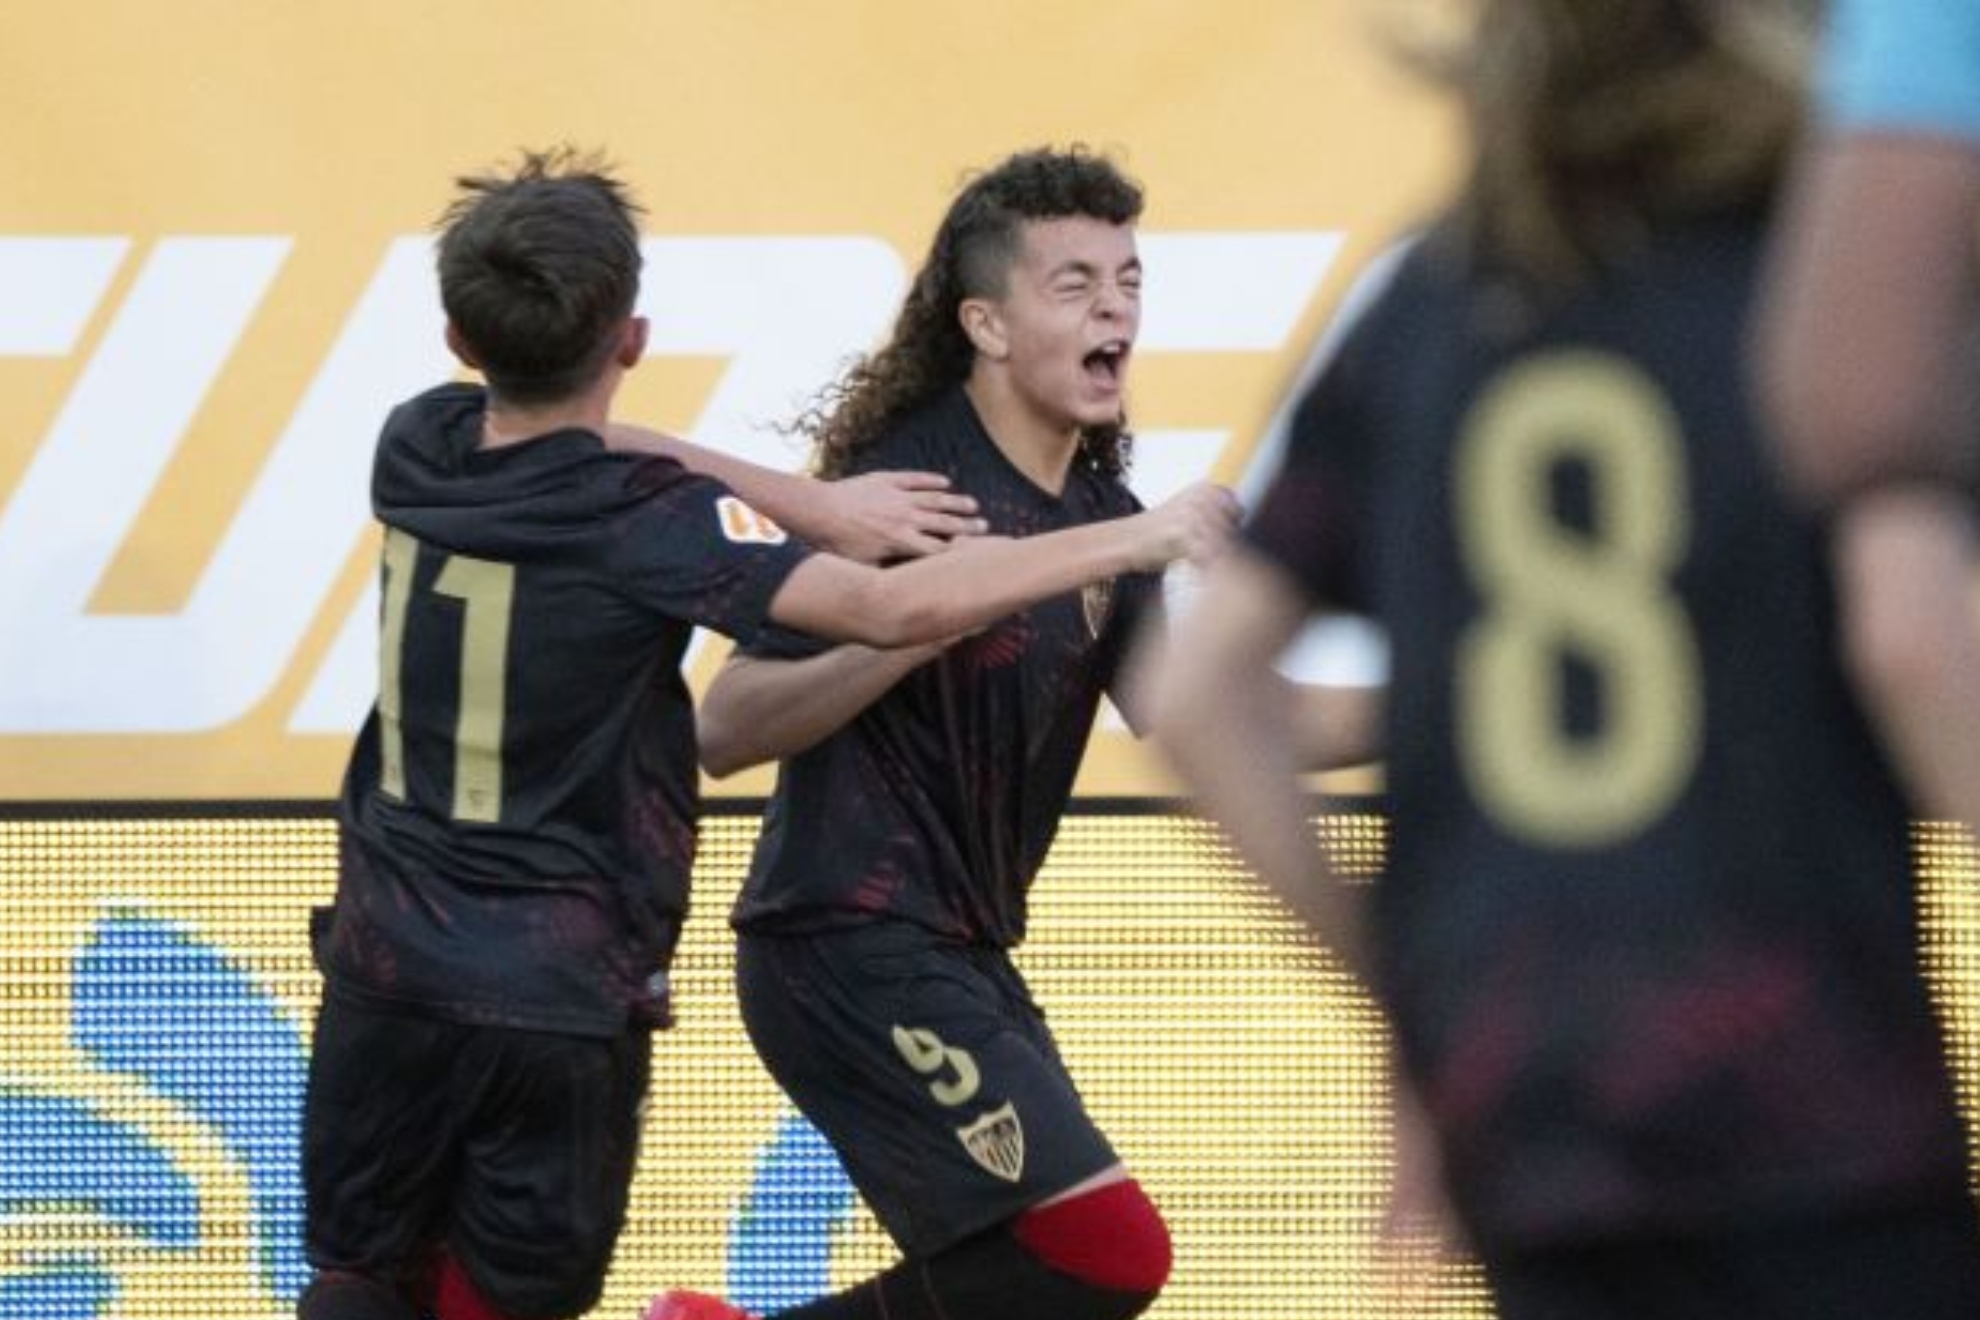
{"x": 458, "y": 1299}
{"x": 1112, "y": 1237}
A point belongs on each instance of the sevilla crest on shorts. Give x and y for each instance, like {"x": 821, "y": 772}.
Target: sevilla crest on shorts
{"x": 996, "y": 1142}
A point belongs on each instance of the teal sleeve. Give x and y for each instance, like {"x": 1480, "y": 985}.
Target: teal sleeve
{"x": 1906, "y": 65}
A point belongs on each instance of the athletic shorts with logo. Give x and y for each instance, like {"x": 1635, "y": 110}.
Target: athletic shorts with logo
{"x": 928, "y": 1067}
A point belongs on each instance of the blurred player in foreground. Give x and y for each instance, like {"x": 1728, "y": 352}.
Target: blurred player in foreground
{"x": 1647, "y": 938}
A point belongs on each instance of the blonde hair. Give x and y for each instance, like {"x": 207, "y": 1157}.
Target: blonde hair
{"x": 1594, "y": 121}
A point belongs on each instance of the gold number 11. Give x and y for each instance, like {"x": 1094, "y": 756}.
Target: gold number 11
{"x": 488, "y": 590}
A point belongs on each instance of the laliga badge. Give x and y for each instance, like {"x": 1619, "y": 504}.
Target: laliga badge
{"x": 745, "y": 525}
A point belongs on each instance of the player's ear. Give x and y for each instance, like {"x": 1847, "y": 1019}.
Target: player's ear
{"x": 985, "y": 328}
{"x": 459, "y": 347}
{"x": 632, "y": 341}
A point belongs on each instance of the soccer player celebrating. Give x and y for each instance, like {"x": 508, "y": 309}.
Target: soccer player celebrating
{"x": 1647, "y": 936}
{"x": 923, "y": 786}
{"x": 518, "y": 817}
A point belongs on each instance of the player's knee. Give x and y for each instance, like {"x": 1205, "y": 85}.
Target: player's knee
{"x": 1111, "y": 1237}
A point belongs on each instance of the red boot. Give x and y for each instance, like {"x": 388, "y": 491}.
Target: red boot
{"x": 680, "y": 1304}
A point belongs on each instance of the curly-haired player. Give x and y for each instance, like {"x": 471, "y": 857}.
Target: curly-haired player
{"x": 922, "y": 788}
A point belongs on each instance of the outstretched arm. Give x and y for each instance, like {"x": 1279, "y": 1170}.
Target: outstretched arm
{"x": 1867, "y": 369}
{"x": 759, "y": 710}
{"x": 1332, "y": 726}
{"x": 1905, "y": 561}
{"x": 870, "y": 518}
{"x": 985, "y": 578}
{"x": 1230, "y": 728}
{"x": 1867, "y": 328}
{"x": 1335, "y": 725}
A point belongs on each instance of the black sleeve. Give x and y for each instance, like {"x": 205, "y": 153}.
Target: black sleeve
{"x": 693, "y": 549}
{"x": 1310, "y": 520}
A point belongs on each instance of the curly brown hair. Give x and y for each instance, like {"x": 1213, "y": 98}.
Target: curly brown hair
{"x": 971, "y": 257}
{"x": 1593, "y": 124}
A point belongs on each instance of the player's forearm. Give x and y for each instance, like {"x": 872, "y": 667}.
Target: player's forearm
{"x": 1866, "y": 328}
{"x": 789, "y": 500}
{"x": 1229, "y": 726}
{"x": 984, "y": 580}
{"x": 758, "y": 711}
{"x": 1334, "y": 725}
{"x": 1905, "y": 572}
{"x": 1233, "y": 743}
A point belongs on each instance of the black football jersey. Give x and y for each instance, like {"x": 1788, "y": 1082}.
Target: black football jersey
{"x": 1648, "y": 930}
{"x": 518, "y": 817}
{"x": 937, "y": 804}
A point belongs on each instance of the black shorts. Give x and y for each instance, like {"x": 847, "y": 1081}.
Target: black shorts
{"x": 928, "y": 1067}
{"x": 1919, "y": 1262}
{"x": 511, "y": 1151}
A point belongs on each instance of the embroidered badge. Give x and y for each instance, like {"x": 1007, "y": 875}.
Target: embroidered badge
{"x": 996, "y": 1142}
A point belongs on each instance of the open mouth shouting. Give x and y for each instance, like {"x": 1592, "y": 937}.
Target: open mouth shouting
{"x": 1106, "y": 364}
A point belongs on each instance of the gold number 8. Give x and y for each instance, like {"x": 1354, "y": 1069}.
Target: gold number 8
{"x": 1552, "y": 593}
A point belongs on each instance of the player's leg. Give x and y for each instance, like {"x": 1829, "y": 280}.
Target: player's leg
{"x": 1102, "y": 1254}
{"x": 547, "y": 1174}
{"x": 378, "y": 1161}
{"x": 931, "y": 1072}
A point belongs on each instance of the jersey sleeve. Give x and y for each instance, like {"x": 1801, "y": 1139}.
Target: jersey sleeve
{"x": 695, "y": 550}
{"x": 897, "y": 452}
{"x": 1909, "y": 65}
{"x": 1309, "y": 519}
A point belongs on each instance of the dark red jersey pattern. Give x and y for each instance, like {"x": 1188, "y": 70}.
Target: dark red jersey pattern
{"x": 518, "y": 818}
{"x": 938, "y": 803}
{"x": 1648, "y": 932}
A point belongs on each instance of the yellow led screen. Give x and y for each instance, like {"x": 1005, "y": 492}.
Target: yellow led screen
{"x": 155, "y": 1002}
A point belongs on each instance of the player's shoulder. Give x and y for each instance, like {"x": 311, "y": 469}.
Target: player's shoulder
{"x": 1416, "y": 284}
{"x": 446, "y": 417}
{"x": 929, "y": 438}
{"x": 651, "y": 475}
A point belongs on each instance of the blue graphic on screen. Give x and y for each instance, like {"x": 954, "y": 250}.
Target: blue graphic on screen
{"x": 58, "y": 1290}
{"x": 780, "y": 1249}
{"x": 207, "y": 1036}
{"x": 58, "y": 1151}
{"x": 153, "y": 1003}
